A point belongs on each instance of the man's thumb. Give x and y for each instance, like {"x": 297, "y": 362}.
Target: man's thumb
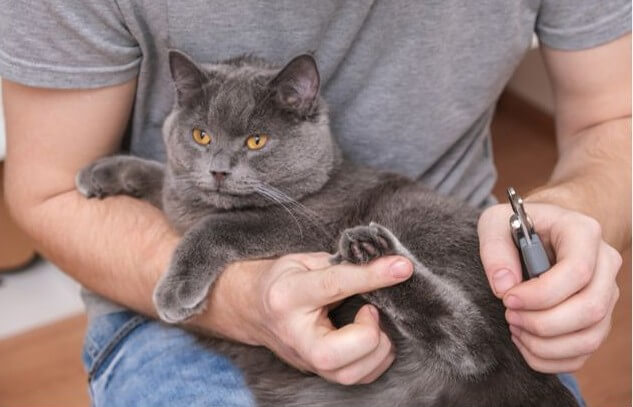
{"x": 498, "y": 253}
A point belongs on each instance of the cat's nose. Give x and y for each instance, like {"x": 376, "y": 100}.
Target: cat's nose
{"x": 219, "y": 175}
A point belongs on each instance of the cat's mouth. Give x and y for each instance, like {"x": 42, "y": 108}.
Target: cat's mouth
{"x": 226, "y": 190}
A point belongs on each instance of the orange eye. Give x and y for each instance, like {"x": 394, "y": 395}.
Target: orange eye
{"x": 256, "y": 141}
{"x": 201, "y": 137}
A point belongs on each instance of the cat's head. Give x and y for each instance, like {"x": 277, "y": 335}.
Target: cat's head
{"x": 244, "y": 132}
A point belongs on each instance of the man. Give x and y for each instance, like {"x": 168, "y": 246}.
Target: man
{"x": 411, "y": 86}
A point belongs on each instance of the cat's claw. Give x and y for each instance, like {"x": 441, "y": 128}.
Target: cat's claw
{"x": 362, "y": 244}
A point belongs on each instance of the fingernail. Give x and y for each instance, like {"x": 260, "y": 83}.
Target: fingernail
{"x": 516, "y": 331}
{"x": 513, "y": 302}
{"x": 400, "y": 269}
{"x": 503, "y": 280}
{"x": 374, "y": 313}
{"x": 513, "y": 318}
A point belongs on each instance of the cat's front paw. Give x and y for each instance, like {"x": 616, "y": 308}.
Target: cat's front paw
{"x": 115, "y": 175}
{"x": 362, "y": 244}
{"x": 178, "y": 299}
{"x": 99, "y": 179}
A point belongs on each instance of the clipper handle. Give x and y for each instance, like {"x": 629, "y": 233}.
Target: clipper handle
{"x": 534, "y": 256}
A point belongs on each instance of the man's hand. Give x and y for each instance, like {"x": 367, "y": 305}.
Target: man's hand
{"x": 284, "y": 306}
{"x": 560, "y": 318}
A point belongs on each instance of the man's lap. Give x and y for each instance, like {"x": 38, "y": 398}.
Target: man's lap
{"x": 133, "y": 361}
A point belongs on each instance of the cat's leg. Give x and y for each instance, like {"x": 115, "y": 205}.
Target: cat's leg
{"x": 210, "y": 245}
{"x": 434, "y": 314}
{"x": 122, "y": 175}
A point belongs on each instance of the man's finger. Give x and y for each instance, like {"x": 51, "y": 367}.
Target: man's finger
{"x": 577, "y": 254}
{"x": 549, "y": 365}
{"x": 574, "y": 344}
{"x": 336, "y": 348}
{"x": 369, "y": 368}
{"x": 334, "y": 283}
{"x": 371, "y": 365}
{"x": 579, "y": 312}
{"x": 380, "y": 370}
{"x": 313, "y": 260}
{"x": 498, "y": 253}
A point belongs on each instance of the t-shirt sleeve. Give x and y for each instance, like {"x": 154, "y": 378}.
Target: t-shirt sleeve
{"x": 580, "y": 24}
{"x": 66, "y": 43}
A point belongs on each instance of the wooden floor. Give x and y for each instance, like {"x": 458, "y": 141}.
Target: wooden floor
{"x": 43, "y": 367}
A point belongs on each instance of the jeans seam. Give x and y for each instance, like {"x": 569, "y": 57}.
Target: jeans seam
{"x": 124, "y": 330}
{"x": 91, "y": 347}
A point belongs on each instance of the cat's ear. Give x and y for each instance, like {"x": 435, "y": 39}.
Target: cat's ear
{"x": 187, "y": 77}
{"x": 297, "y": 84}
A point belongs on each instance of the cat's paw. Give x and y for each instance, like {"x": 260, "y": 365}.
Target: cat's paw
{"x": 362, "y": 244}
{"x": 110, "y": 176}
{"x": 99, "y": 179}
{"x": 177, "y": 300}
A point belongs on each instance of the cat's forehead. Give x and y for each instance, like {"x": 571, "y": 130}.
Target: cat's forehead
{"x": 239, "y": 95}
{"x": 241, "y": 71}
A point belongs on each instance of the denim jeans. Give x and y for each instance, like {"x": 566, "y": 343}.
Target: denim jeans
{"x": 134, "y": 361}
{"x": 137, "y": 362}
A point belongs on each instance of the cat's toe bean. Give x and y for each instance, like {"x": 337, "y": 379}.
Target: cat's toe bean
{"x": 356, "y": 245}
{"x": 357, "y": 252}
{"x": 362, "y": 244}
{"x": 369, "y": 249}
{"x": 383, "y": 237}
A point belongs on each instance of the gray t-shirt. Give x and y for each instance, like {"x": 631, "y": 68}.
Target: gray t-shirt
{"x": 411, "y": 85}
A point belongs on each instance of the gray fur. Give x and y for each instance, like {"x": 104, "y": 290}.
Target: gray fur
{"x": 298, "y": 194}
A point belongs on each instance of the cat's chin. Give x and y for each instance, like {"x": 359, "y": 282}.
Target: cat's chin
{"x": 234, "y": 193}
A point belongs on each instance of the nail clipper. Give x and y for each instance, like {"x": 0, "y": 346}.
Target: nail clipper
{"x": 533, "y": 256}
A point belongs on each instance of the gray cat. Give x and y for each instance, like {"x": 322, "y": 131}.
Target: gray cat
{"x": 253, "y": 172}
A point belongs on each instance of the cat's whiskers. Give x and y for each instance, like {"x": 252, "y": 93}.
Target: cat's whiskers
{"x": 264, "y": 193}
{"x": 281, "y": 197}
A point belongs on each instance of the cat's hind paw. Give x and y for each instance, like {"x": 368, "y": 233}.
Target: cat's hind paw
{"x": 362, "y": 244}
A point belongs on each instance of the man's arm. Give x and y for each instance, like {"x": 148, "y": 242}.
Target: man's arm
{"x": 51, "y": 134}
{"x": 592, "y": 91}
{"x": 119, "y": 246}
{"x": 559, "y": 319}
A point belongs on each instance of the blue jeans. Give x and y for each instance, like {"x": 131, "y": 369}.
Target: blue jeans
{"x": 134, "y": 361}
{"x": 137, "y": 362}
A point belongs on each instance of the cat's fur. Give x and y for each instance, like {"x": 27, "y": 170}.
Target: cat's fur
{"x": 298, "y": 194}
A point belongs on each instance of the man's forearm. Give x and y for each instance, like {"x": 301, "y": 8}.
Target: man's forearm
{"x": 117, "y": 247}
{"x": 593, "y": 176}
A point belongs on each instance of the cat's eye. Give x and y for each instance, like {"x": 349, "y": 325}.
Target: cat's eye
{"x": 201, "y": 137}
{"x": 256, "y": 141}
